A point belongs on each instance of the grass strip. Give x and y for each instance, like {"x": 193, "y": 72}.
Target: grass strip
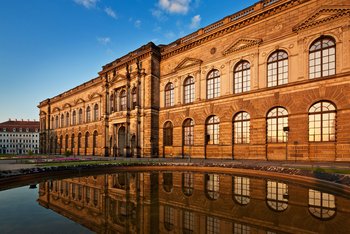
{"x": 326, "y": 170}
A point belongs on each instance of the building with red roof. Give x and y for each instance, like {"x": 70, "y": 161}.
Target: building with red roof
{"x": 19, "y": 136}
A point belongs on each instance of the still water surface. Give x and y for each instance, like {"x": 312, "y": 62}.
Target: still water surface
{"x": 174, "y": 202}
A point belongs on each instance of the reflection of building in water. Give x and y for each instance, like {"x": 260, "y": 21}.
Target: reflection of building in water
{"x": 174, "y": 202}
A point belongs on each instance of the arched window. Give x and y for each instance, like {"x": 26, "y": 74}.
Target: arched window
{"x": 322, "y": 118}
{"x": 242, "y": 77}
{"x": 79, "y": 143}
{"x": 169, "y": 95}
{"x": 52, "y": 123}
{"x": 96, "y": 112}
{"x": 168, "y": 218}
{"x": 188, "y": 132}
{"x": 212, "y": 186}
{"x": 212, "y": 130}
{"x": 88, "y": 114}
{"x": 123, "y": 100}
{"x": 66, "y": 143}
{"x": 134, "y": 98}
{"x": 111, "y": 104}
{"x": 322, "y": 57}
{"x": 187, "y": 183}
{"x": 56, "y": 144}
{"x": 321, "y": 205}
{"x": 67, "y": 120}
{"x": 277, "y": 195}
{"x": 74, "y": 119}
{"x": 57, "y": 122}
{"x": 80, "y": 116}
{"x": 94, "y": 142}
{"x": 241, "y": 128}
{"x": 61, "y": 142}
{"x": 189, "y": 90}
{"x": 277, "y": 120}
{"x": 241, "y": 189}
{"x": 213, "y": 84}
{"x": 72, "y": 145}
{"x": 51, "y": 145}
{"x": 277, "y": 68}
{"x": 168, "y": 134}
{"x": 62, "y": 121}
{"x": 86, "y": 141}
{"x": 168, "y": 182}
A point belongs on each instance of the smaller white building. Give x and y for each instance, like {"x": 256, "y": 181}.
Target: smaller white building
{"x": 19, "y": 137}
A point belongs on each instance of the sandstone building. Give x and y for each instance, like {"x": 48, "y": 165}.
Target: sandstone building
{"x": 270, "y": 82}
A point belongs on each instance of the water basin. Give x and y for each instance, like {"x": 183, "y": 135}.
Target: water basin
{"x": 174, "y": 202}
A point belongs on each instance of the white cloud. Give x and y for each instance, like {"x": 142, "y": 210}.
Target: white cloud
{"x": 170, "y": 35}
{"x": 109, "y": 11}
{"x": 104, "y": 40}
{"x": 175, "y": 6}
{"x": 87, "y": 3}
{"x": 157, "y": 28}
{"x": 159, "y": 14}
{"x": 195, "y": 21}
{"x": 137, "y": 23}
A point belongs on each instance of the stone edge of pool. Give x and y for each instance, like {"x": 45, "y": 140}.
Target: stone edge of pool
{"x": 7, "y": 177}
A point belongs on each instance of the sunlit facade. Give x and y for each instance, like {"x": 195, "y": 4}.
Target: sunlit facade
{"x": 254, "y": 85}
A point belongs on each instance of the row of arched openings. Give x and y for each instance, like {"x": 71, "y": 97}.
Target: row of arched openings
{"x": 121, "y": 101}
{"x": 75, "y": 144}
{"x": 66, "y": 120}
{"x": 322, "y": 63}
{"x": 321, "y": 120}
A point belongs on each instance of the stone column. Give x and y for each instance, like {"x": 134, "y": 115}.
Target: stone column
{"x": 178, "y": 88}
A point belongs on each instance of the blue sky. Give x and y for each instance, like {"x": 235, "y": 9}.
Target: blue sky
{"x": 50, "y": 46}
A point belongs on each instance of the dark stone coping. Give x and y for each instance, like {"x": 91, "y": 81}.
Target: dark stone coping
{"x": 13, "y": 178}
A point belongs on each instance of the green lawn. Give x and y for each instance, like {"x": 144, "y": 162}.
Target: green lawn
{"x": 327, "y": 170}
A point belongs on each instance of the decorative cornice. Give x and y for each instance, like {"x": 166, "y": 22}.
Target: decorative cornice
{"x": 242, "y": 43}
{"x": 67, "y": 105}
{"x": 94, "y": 95}
{"x": 322, "y": 15}
{"x": 188, "y": 62}
{"x": 80, "y": 100}
{"x": 135, "y": 56}
{"x": 250, "y": 15}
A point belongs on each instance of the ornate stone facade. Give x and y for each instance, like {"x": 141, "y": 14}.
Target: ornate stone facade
{"x": 270, "y": 82}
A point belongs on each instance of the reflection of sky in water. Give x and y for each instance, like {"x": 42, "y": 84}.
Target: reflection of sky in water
{"x": 21, "y": 213}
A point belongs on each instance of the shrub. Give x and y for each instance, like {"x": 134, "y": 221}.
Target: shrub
{"x": 68, "y": 153}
